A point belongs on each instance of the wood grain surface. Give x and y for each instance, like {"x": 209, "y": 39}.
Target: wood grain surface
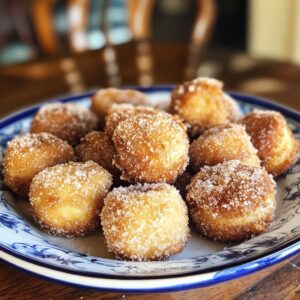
{"x": 27, "y": 84}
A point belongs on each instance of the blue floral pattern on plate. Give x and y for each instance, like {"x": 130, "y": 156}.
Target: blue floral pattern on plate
{"x": 20, "y": 238}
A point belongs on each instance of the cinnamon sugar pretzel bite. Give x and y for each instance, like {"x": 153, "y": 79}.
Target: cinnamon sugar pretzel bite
{"x": 222, "y": 143}
{"x": 231, "y": 201}
{"x": 151, "y": 148}
{"x": 277, "y": 148}
{"x": 27, "y": 155}
{"x": 67, "y": 198}
{"x": 67, "y": 121}
{"x": 203, "y": 104}
{"x": 145, "y": 222}
{"x": 98, "y": 147}
{"x": 103, "y": 100}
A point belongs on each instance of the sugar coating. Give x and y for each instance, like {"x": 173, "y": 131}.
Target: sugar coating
{"x": 30, "y": 141}
{"x": 68, "y": 121}
{"x": 261, "y": 113}
{"x": 223, "y": 143}
{"x": 104, "y": 99}
{"x": 151, "y": 148}
{"x": 230, "y": 186}
{"x": 277, "y": 147}
{"x": 191, "y": 87}
{"x": 198, "y": 83}
{"x": 120, "y": 112}
{"x": 145, "y": 222}
{"x": 26, "y": 155}
{"x": 98, "y": 147}
{"x": 231, "y": 201}
{"x": 69, "y": 109}
{"x": 67, "y": 198}
{"x": 267, "y": 123}
{"x": 203, "y": 104}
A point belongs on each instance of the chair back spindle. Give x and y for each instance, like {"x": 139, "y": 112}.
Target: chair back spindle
{"x": 109, "y": 52}
{"x": 139, "y": 21}
{"x": 77, "y": 16}
{"x": 203, "y": 26}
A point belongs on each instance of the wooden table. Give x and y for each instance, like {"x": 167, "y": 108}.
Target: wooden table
{"x": 24, "y": 85}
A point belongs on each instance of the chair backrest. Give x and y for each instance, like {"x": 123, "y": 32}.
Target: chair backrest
{"x": 139, "y": 19}
{"x": 140, "y": 12}
{"x": 77, "y": 17}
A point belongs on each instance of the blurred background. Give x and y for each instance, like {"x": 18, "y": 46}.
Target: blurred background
{"x": 50, "y": 48}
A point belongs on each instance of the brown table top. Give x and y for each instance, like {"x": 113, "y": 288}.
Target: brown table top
{"x": 26, "y": 84}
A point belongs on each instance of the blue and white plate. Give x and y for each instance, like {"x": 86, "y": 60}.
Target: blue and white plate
{"x": 86, "y": 262}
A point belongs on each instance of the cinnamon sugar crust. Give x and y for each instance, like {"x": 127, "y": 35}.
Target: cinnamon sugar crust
{"x": 203, "y": 104}
{"x": 67, "y": 198}
{"x": 120, "y": 112}
{"x": 67, "y": 121}
{"x": 98, "y": 147}
{"x": 151, "y": 148}
{"x": 223, "y": 143}
{"x": 231, "y": 201}
{"x": 145, "y": 222}
{"x": 27, "y": 155}
{"x": 104, "y": 99}
{"x": 277, "y": 148}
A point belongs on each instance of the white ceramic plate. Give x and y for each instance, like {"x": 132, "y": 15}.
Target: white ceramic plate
{"x": 86, "y": 262}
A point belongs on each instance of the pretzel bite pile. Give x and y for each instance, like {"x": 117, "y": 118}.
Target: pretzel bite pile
{"x": 145, "y": 222}
{"x": 104, "y": 99}
{"x": 67, "y": 198}
{"x": 67, "y": 121}
{"x": 149, "y": 171}
{"x": 277, "y": 147}
{"x": 28, "y": 154}
{"x": 203, "y": 104}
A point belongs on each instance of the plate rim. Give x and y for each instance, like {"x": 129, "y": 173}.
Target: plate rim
{"x": 154, "y": 285}
{"x": 264, "y": 259}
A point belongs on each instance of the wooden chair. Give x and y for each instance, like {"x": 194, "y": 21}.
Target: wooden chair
{"x": 16, "y": 15}
{"x": 139, "y": 16}
{"x": 68, "y": 71}
{"x": 77, "y": 17}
